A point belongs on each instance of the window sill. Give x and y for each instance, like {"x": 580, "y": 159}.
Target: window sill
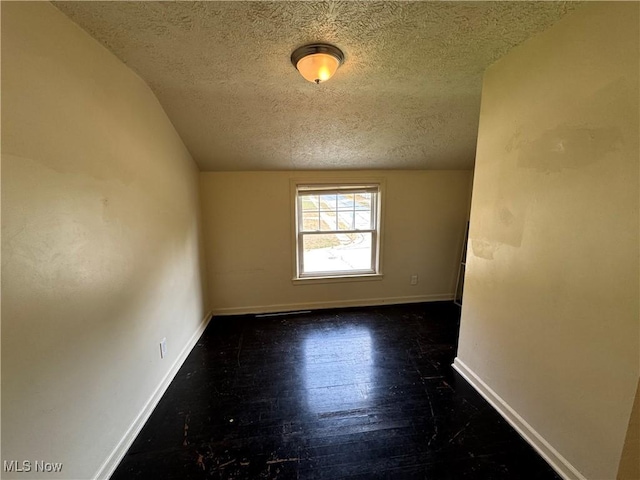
{"x": 367, "y": 277}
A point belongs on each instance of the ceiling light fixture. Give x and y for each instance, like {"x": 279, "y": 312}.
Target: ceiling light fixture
{"x": 317, "y": 62}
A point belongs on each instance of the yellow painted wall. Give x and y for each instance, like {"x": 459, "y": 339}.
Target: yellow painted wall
{"x": 550, "y": 315}
{"x": 248, "y": 232}
{"x": 100, "y": 244}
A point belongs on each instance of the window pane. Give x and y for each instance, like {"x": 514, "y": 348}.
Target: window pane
{"x": 345, "y": 201}
{"x": 345, "y": 220}
{"x": 363, "y": 201}
{"x": 310, "y": 221}
{"x": 309, "y": 202}
{"x": 337, "y": 252}
{"x": 328, "y": 202}
{"x": 328, "y": 221}
{"x": 363, "y": 221}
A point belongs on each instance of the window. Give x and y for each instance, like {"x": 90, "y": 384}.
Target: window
{"x": 337, "y": 230}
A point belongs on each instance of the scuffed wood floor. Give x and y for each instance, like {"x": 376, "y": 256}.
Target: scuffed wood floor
{"x": 352, "y": 393}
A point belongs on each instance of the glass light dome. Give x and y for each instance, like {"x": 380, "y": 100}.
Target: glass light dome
{"x": 317, "y": 63}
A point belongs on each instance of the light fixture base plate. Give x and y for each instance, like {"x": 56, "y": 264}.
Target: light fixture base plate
{"x": 313, "y": 48}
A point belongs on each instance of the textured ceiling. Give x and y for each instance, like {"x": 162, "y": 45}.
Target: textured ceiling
{"x": 407, "y": 96}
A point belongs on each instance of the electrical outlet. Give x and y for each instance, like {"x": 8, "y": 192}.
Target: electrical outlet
{"x": 414, "y": 279}
{"x": 163, "y": 348}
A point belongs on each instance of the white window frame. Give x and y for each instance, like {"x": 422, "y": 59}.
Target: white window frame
{"x": 375, "y": 186}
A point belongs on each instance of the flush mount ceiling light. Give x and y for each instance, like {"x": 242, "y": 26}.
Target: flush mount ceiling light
{"x": 317, "y": 62}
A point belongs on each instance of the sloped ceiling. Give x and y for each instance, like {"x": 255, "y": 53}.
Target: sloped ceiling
{"x": 407, "y": 96}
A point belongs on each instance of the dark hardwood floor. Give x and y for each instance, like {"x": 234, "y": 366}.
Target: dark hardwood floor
{"x": 352, "y": 393}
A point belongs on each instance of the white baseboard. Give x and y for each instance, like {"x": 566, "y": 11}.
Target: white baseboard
{"x": 365, "y": 302}
{"x": 118, "y": 453}
{"x": 526, "y": 431}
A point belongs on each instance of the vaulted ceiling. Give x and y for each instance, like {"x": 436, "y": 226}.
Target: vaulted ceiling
{"x": 407, "y": 96}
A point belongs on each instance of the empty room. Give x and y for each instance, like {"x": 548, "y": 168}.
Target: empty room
{"x": 320, "y": 240}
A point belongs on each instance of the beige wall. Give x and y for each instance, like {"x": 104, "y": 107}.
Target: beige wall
{"x": 550, "y": 315}
{"x": 100, "y": 249}
{"x": 248, "y": 232}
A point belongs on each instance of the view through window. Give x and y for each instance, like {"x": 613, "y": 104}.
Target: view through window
{"x": 337, "y": 230}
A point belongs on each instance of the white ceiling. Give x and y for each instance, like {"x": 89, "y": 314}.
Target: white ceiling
{"x": 407, "y": 96}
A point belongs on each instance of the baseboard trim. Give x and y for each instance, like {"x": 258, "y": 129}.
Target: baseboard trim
{"x": 526, "y": 431}
{"x": 365, "y": 302}
{"x": 118, "y": 453}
